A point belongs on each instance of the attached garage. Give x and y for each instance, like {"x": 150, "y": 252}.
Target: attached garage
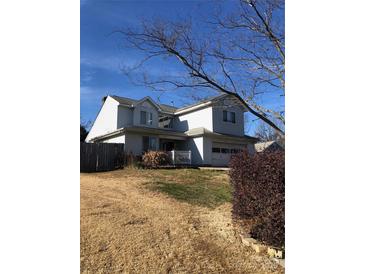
{"x": 222, "y": 152}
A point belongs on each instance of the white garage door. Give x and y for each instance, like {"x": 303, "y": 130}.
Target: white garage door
{"x": 220, "y": 159}
{"x": 221, "y": 153}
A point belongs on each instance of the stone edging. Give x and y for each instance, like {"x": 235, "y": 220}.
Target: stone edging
{"x": 276, "y": 254}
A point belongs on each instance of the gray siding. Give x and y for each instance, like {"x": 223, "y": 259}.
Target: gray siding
{"x": 227, "y": 127}
{"x": 125, "y": 116}
{"x": 134, "y": 142}
{"x": 148, "y": 107}
{"x": 207, "y": 151}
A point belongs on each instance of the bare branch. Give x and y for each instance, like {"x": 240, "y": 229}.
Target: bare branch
{"x": 243, "y": 55}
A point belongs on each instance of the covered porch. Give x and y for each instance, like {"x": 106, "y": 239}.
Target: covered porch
{"x": 168, "y": 144}
{"x": 177, "y": 150}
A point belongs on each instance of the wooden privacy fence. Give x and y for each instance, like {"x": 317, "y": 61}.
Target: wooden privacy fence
{"x": 100, "y": 156}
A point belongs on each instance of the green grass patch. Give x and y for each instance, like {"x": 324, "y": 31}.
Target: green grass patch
{"x": 199, "y": 187}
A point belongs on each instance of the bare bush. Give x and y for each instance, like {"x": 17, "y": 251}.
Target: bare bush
{"x": 153, "y": 159}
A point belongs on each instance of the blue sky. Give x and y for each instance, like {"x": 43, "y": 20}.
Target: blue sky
{"x": 101, "y": 54}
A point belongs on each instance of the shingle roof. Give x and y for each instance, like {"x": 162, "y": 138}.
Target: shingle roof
{"x": 164, "y": 107}
{"x": 124, "y": 100}
{"x": 204, "y": 131}
{"x": 202, "y": 102}
{"x": 169, "y": 132}
{"x": 130, "y": 102}
{"x": 167, "y": 108}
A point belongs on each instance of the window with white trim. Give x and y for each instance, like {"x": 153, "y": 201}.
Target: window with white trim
{"x": 146, "y": 118}
{"x": 149, "y": 121}
{"x": 149, "y": 143}
{"x": 229, "y": 116}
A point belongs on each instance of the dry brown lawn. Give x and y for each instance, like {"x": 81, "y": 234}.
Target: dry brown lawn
{"x": 145, "y": 221}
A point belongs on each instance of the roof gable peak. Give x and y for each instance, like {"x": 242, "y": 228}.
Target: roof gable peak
{"x": 148, "y": 98}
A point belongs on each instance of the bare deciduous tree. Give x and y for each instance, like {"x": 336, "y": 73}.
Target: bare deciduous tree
{"x": 266, "y": 133}
{"x": 239, "y": 51}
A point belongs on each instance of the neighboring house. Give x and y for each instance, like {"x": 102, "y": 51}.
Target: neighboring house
{"x": 211, "y": 129}
{"x": 268, "y": 146}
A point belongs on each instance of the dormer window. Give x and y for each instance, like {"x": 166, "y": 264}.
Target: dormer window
{"x": 145, "y": 118}
{"x": 229, "y": 116}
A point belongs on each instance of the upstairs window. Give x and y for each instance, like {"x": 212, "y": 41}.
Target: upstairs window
{"x": 229, "y": 116}
{"x": 145, "y": 118}
{"x": 149, "y": 121}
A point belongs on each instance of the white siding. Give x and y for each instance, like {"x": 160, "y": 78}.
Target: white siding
{"x": 196, "y": 147}
{"x": 148, "y": 107}
{"x": 117, "y": 140}
{"x": 227, "y": 127}
{"x": 133, "y": 143}
{"x": 112, "y": 117}
{"x": 211, "y": 118}
{"x": 201, "y": 150}
{"x": 196, "y": 119}
{"x": 106, "y": 121}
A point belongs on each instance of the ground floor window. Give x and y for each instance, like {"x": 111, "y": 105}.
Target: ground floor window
{"x": 149, "y": 143}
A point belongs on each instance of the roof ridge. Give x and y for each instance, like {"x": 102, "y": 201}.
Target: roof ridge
{"x": 121, "y": 97}
{"x": 171, "y": 109}
{"x": 202, "y": 101}
{"x": 166, "y": 105}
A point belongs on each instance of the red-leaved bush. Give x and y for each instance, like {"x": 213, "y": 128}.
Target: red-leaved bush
{"x": 259, "y": 194}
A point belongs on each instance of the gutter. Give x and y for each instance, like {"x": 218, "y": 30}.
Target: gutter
{"x": 203, "y": 105}
{"x": 198, "y": 133}
{"x": 193, "y": 108}
{"x": 204, "y": 132}
{"x": 121, "y": 130}
{"x": 243, "y": 138}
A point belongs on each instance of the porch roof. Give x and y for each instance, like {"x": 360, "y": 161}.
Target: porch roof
{"x": 161, "y": 132}
{"x": 176, "y": 135}
{"x": 201, "y": 131}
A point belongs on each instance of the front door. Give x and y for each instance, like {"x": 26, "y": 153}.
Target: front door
{"x": 168, "y": 146}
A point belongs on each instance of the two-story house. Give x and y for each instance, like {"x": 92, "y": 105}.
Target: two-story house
{"x": 211, "y": 129}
